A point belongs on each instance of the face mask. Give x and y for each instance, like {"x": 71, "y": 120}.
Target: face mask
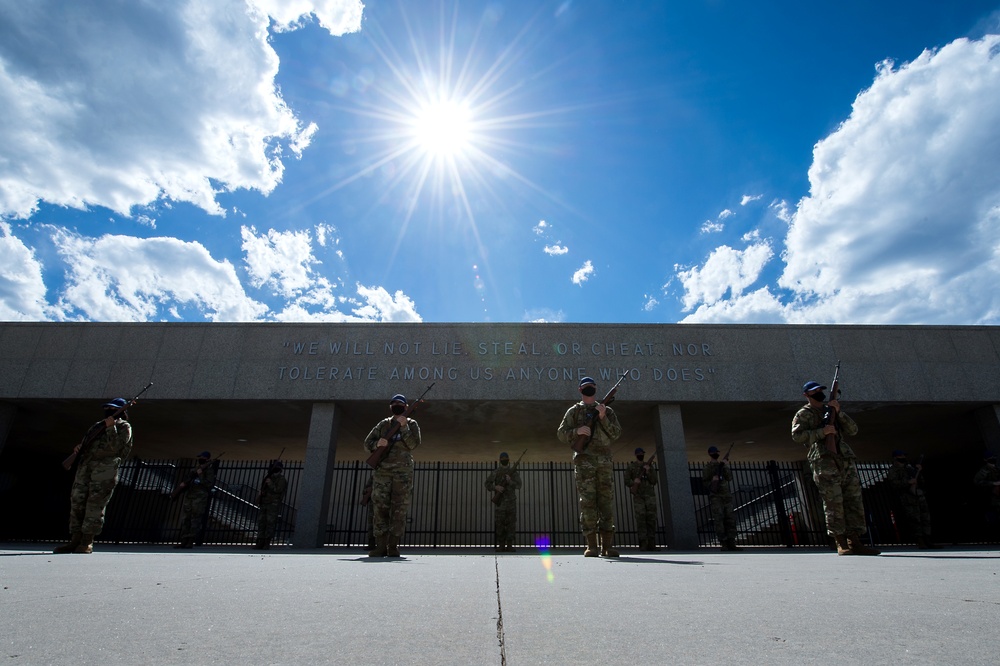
{"x": 714, "y": 456}
{"x": 818, "y": 396}
{"x": 588, "y": 390}
{"x": 504, "y": 461}
{"x": 639, "y": 458}
{"x": 397, "y": 409}
{"x": 901, "y": 460}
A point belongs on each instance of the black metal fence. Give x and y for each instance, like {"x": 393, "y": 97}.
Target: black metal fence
{"x": 141, "y": 510}
{"x": 776, "y": 504}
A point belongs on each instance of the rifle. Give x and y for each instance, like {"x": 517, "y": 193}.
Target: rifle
{"x": 583, "y": 441}
{"x": 916, "y": 475}
{"x": 497, "y": 493}
{"x": 183, "y": 486}
{"x": 267, "y": 477}
{"x": 95, "y": 432}
{"x": 830, "y": 414}
{"x": 646, "y": 466}
{"x": 714, "y": 487}
{"x": 379, "y": 454}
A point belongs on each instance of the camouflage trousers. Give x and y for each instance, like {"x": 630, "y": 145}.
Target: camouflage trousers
{"x": 595, "y": 487}
{"x": 722, "y": 515}
{"x": 644, "y": 511}
{"x": 267, "y": 521}
{"x": 840, "y": 487}
{"x": 505, "y": 521}
{"x": 93, "y": 485}
{"x": 391, "y": 491}
{"x": 916, "y": 514}
{"x": 195, "y": 504}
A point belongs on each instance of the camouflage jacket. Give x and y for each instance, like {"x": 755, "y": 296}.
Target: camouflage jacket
{"x": 498, "y": 478}
{"x": 985, "y": 477}
{"x": 648, "y": 481}
{"x": 899, "y": 476}
{"x": 807, "y": 429}
{"x": 114, "y": 442}
{"x": 273, "y": 489}
{"x": 201, "y": 484}
{"x": 405, "y": 440}
{"x": 717, "y": 467}
{"x": 604, "y": 432}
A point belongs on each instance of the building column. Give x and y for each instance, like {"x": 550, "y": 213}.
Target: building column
{"x": 313, "y": 502}
{"x": 7, "y": 414}
{"x": 675, "y": 479}
{"x": 988, "y": 418}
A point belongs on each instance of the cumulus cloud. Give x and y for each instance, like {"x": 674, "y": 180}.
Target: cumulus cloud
{"x": 281, "y": 260}
{"x": 22, "y": 289}
{"x": 710, "y": 227}
{"x": 555, "y": 250}
{"x": 121, "y": 278}
{"x": 583, "y": 273}
{"x": 126, "y": 104}
{"x": 902, "y": 220}
{"x": 540, "y": 228}
{"x": 747, "y": 198}
{"x": 726, "y": 271}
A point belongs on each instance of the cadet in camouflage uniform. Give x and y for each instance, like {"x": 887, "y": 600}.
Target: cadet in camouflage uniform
{"x": 96, "y": 477}
{"x": 393, "y": 479}
{"x": 506, "y": 481}
{"x": 987, "y": 481}
{"x": 272, "y": 492}
{"x": 196, "y": 495}
{"x": 906, "y": 481}
{"x": 834, "y": 472}
{"x": 593, "y": 468}
{"x": 716, "y": 476}
{"x": 640, "y": 478}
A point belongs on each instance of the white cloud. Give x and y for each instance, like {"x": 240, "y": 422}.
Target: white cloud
{"x": 22, "y": 290}
{"x": 781, "y": 210}
{"x": 725, "y": 213}
{"x": 902, "y": 222}
{"x": 726, "y": 270}
{"x": 336, "y": 16}
{"x": 540, "y": 228}
{"x": 650, "y": 303}
{"x": 379, "y": 305}
{"x": 121, "y": 278}
{"x": 281, "y": 260}
{"x": 710, "y": 227}
{"x": 124, "y": 104}
{"x": 751, "y": 236}
{"x": 543, "y": 316}
{"x": 583, "y": 273}
{"x": 555, "y": 250}
{"x": 747, "y": 198}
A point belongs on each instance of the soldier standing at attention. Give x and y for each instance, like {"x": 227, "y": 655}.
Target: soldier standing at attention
{"x": 987, "y": 482}
{"x": 96, "y": 477}
{"x": 717, "y": 476}
{"x": 505, "y": 482}
{"x": 196, "y": 495}
{"x": 593, "y": 468}
{"x": 834, "y": 471}
{"x": 272, "y": 492}
{"x": 906, "y": 482}
{"x": 392, "y": 481}
{"x": 640, "y": 477}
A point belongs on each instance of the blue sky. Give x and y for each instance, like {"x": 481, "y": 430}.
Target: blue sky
{"x": 635, "y": 162}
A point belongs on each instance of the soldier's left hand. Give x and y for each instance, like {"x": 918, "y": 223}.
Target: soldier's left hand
{"x": 109, "y": 422}
{"x": 601, "y": 411}
{"x": 401, "y": 420}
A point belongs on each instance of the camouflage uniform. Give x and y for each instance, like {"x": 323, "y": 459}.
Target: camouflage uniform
{"x": 392, "y": 481}
{"x": 271, "y": 495}
{"x": 505, "y": 511}
{"x": 196, "y": 496}
{"x": 835, "y": 474}
{"x": 97, "y": 476}
{"x": 983, "y": 480}
{"x": 912, "y": 502}
{"x": 643, "y": 502}
{"x": 721, "y": 502}
{"x": 593, "y": 468}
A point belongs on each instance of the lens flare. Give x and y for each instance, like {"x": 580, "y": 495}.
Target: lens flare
{"x": 544, "y": 545}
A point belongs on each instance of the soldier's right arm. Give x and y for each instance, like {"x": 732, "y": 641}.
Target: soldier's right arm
{"x": 372, "y": 439}
{"x": 567, "y": 429}
{"x": 806, "y": 427}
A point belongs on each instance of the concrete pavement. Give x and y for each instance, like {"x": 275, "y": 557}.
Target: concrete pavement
{"x": 156, "y": 605}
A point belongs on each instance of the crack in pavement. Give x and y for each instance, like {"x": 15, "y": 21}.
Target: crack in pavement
{"x": 500, "y": 636}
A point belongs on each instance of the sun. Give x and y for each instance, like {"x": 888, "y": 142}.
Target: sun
{"x": 443, "y": 128}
